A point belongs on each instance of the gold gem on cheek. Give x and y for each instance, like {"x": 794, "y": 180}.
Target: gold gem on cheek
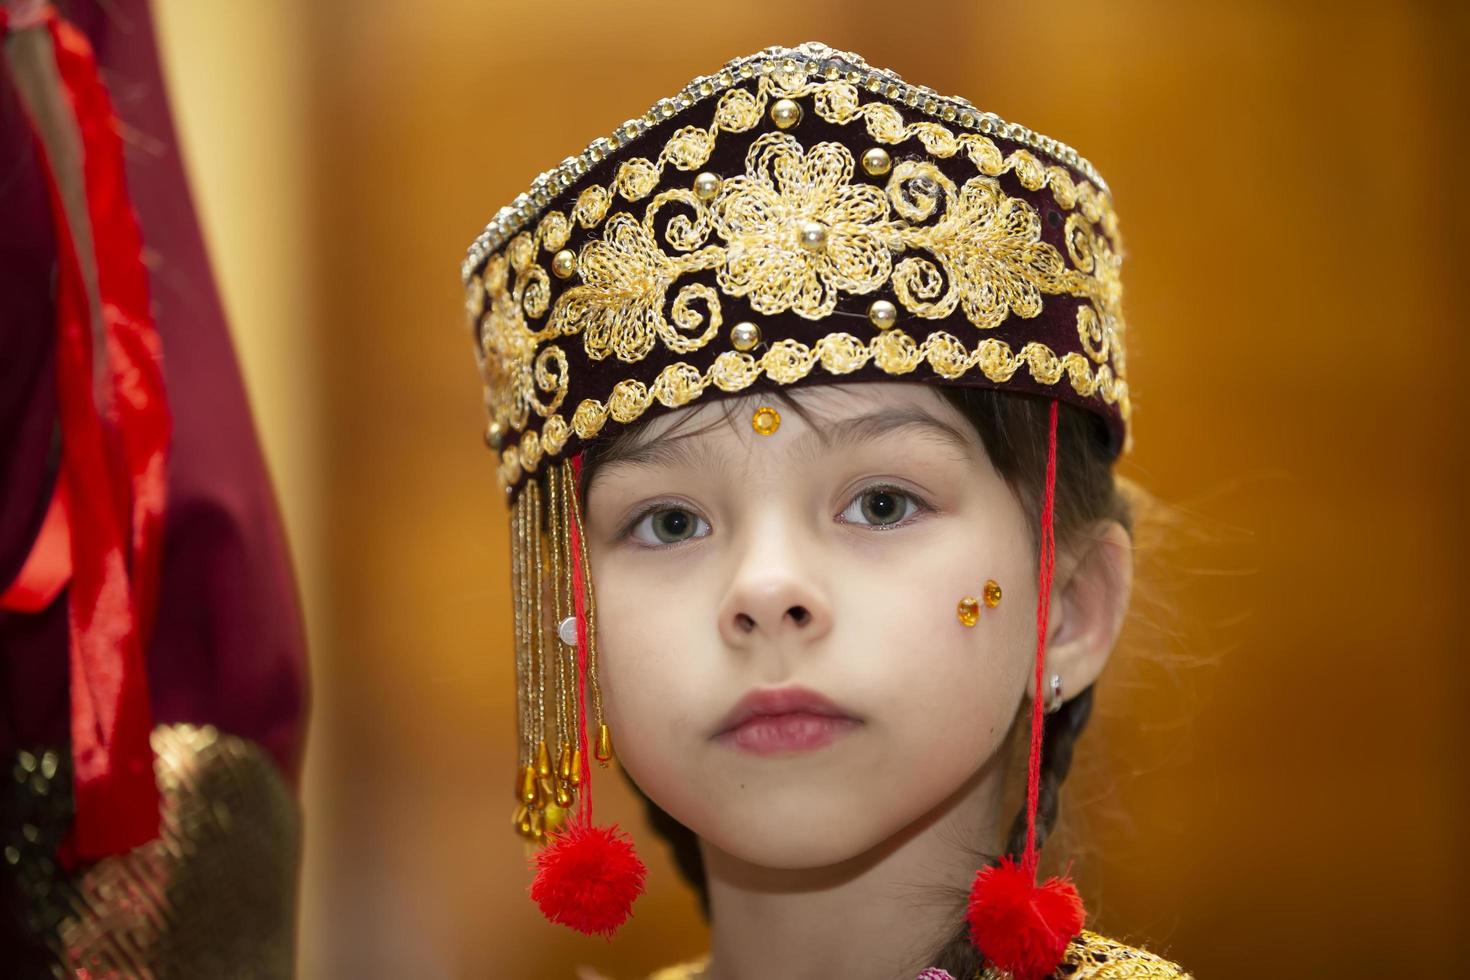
{"x": 766, "y": 420}
{"x": 969, "y": 607}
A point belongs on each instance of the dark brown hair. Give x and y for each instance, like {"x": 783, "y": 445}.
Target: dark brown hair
{"x": 1013, "y": 430}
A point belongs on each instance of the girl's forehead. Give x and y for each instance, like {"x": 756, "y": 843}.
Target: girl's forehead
{"x": 808, "y": 426}
{"x": 814, "y": 414}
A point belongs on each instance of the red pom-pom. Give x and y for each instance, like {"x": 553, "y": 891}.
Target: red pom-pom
{"x": 1020, "y": 926}
{"x": 587, "y": 878}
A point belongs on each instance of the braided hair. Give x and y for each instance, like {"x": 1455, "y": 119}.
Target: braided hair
{"x": 1013, "y": 429}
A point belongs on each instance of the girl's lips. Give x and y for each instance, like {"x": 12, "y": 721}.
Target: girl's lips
{"x": 797, "y": 731}
{"x": 779, "y": 720}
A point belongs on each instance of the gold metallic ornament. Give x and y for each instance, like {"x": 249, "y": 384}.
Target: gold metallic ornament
{"x": 545, "y": 792}
{"x": 813, "y": 236}
{"x": 521, "y": 821}
{"x": 495, "y": 436}
{"x": 576, "y": 767}
{"x": 564, "y": 263}
{"x": 883, "y": 314}
{"x": 217, "y": 886}
{"x": 604, "y": 751}
{"x": 543, "y": 760}
{"x": 969, "y": 610}
{"x": 785, "y": 113}
{"x": 528, "y": 785}
{"x": 992, "y": 593}
{"x": 554, "y": 817}
{"x": 564, "y": 763}
{"x": 877, "y": 162}
{"x": 745, "y": 336}
{"x": 538, "y": 826}
{"x": 563, "y": 796}
{"x": 706, "y": 186}
{"x": 766, "y": 420}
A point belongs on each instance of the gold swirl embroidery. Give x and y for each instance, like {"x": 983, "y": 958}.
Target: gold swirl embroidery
{"x": 618, "y": 309}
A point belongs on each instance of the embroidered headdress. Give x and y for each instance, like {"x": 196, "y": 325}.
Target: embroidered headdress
{"x": 796, "y": 218}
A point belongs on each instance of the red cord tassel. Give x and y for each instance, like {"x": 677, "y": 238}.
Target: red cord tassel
{"x": 115, "y": 435}
{"x": 588, "y": 878}
{"x": 1020, "y": 926}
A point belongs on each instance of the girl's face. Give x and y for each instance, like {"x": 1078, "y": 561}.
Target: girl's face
{"x": 828, "y": 559}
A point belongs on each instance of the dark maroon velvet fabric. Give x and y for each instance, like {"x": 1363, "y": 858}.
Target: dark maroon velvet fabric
{"x": 228, "y": 647}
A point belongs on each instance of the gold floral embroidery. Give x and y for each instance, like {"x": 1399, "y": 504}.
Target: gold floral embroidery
{"x": 762, "y": 213}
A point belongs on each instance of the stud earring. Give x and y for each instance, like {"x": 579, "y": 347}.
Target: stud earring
{"x": 968, "y": 609}
{"x": 1054, "y": 699}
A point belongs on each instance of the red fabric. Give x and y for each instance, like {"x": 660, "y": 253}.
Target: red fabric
{"x": 114, "y": 458}
{"x": 48, "y": 567}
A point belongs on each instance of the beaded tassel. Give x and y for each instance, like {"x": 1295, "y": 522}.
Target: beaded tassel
{"x": 587, "y": 877}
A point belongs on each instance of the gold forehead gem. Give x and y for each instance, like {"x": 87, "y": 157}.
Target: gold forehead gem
{"x": 564, "y": 263}
{"x": 883, "y": 314}
{"x": 813, "y": 236}
{"x": 745, "y": 335}
{"x": 785, "y": 113}
{"x": 876, "y": 161}
{"x": 706, "y": 186}
{"x": 766, "y": 420}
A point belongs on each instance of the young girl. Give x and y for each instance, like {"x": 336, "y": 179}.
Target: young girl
{"x": 807, "y": 386}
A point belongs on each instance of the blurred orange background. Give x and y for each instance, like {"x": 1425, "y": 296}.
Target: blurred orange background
{"x": 1276, "y": 786}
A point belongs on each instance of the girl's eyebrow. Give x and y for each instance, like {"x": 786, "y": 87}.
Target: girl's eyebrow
{"x": 675, "y": 451}
{"x": 886, "y": 421}
{"x": 681, "y": 451}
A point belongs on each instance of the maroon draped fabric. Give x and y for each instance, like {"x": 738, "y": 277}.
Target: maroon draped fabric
{"x": 227, "y": 645}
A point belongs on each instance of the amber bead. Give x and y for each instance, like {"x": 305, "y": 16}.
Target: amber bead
{"x": 766, "y": 420}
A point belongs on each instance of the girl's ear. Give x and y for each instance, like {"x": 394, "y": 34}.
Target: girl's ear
{"x": 1088, "y": 602}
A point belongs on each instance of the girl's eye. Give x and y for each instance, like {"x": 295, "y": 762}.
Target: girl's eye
{"x": 667, "y": 525}
{"x": 881, "y": 507}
